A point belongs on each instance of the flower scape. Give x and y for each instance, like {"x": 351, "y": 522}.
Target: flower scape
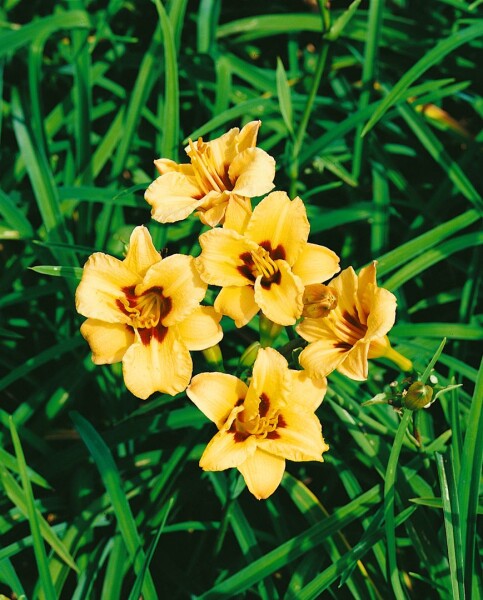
{"x": 145, "y": 311}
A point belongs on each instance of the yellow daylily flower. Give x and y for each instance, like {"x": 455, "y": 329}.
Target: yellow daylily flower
{"x": 145, "y": 311}
{"x": 263, "y": 424}
{"x": 354, "y": 330}
{"x": 268, "y": 265}
{"x": 218, "y": 183}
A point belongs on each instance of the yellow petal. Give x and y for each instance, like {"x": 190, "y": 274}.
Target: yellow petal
{"x": 216, "y": 394}
{"x": 212, "y": 208}
{"x": 220, "y": 152}
{"x": 200, "y": 329}
{"x": 299, "y": 439}
{"x": 263, "y": 473}
{"x": 355, "y": 363}
{"x": 281, "y": 300}
{"x": 247, "y": 138}
{"x": 305, "y": 391}
{"x": 316, "y": 329}
{"x": 270, "y": 378}
{"x": 108, "y": 341}
{"x": 238, "y": 213}
{"x": 321, "y": 358}
{"x": 220, "y": 261}
{"x": 226, "y": 450}
{"x": 316, "y": 264}
{"x": 367, "y": 285}
{"x": 182, "y": 287}
{"x": 157, "y": 363}
{"x": 141, "y": 253}
{"x": 166, "y": 165}
{"x": 173, "y": 196}
{"x": 252, "y": 173}
{"x": 281, "y": 222}
{"x": 382, "y": 315}
{"x": 103, "y": 280}
{"x": 238, "y": 303}
{"x": 346, "y": 287}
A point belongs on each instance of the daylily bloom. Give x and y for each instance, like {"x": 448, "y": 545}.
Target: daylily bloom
{"x": 145, "y": 311}
{"x": 268, "y": 265}
{"x": 218, "y": 183}
{"x": 262, "y": 424}
{"x": 354, "y": 330}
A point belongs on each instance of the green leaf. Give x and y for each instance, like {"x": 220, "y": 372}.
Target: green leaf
{"x": 319, "y": 584}
{"x": 295, "y": 547}
{"x": 430, "y": 58}
{"x": 389, "y": 502}
{"x": 469, "y": 479}
{"x": 434, "y": 502}
{"x": 457, "y": 331}
{"x": 57, "y": 271}
{"x": 16, "y": 220}
{"x": 25, "y": 34}
{"x": 406, "y": 252}
{"x": 284, "y": 98}
{"x": 112, "y": 481}
{"x": 338, "y": 26}
{"x": 452, "y": 520}
{"x": 169, "y": 147}
{"x": 24, "y": 500}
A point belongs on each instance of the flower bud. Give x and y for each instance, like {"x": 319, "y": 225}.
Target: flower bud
{"x": 418, "y": 396}
{"x": 269, "y": 330}
{"x": 213, "y": 356}
{"x": 319, "y": 300}
{"x": 248, "y": 357}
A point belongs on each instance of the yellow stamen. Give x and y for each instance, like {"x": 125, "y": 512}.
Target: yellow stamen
{"x": 264, "y": 265}
{"x": 259, "y": 426}
{"x": 204, "y": 167}
{"x": 145, "y": 310}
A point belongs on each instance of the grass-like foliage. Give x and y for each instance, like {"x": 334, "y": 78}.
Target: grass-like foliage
{"x": 372, "y": 112}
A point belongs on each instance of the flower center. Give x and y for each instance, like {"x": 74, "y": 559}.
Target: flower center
{"x": 263, "y": 264}
{"x": 262, "y": 425}
{"x": 207, "y": 175}
{"x": 145, "y": 310}
{"x": 349, "y": 329}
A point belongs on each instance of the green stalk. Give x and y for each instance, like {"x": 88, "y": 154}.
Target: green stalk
{"x": 389, "y": 496}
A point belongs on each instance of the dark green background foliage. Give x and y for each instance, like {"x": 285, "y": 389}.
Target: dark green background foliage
{"x": 91, "y": 93}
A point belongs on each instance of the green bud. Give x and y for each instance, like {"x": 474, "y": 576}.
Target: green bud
{"x": 418, "y": 396}
{"x": 213, "y": 356}
{"x": 248, "y": 357}
{"x": 269, "y": 331}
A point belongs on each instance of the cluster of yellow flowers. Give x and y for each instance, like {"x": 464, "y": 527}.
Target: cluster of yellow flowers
{"x": 145, "y": 310}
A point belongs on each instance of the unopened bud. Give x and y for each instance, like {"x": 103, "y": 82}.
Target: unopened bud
{"x": 319, "y": 300}
{"x": 418, "y": 396}
{"x": 214, "y": 357}
{"x": 269, "y": 331}
{"x": 248, "y": 357}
